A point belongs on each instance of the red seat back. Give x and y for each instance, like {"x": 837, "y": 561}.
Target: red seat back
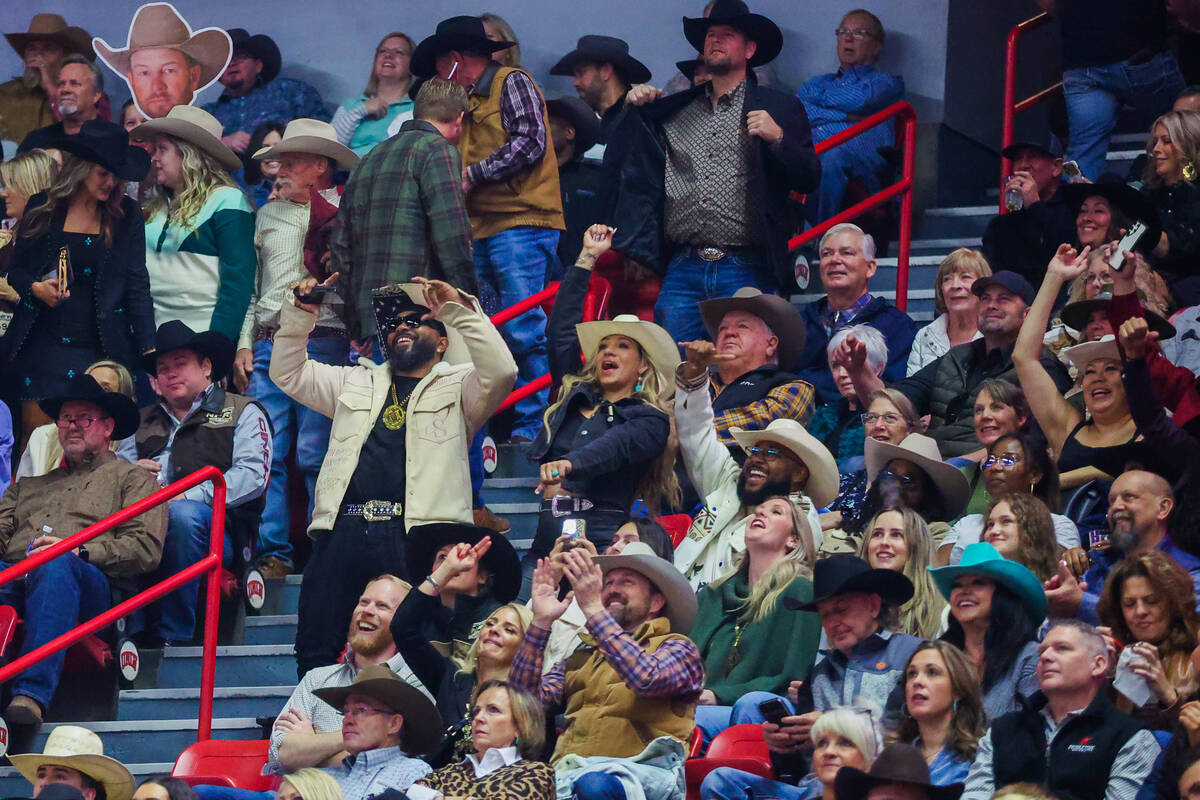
{"x": 8, "y": 626}
{"x": 226, "y": 762}
{"x": 740, "y": 741}
{"x": 677, "y": 526}
{"x": 595, "y": 304}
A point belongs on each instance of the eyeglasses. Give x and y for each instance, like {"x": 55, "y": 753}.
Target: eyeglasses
{"x": 888, "y": 418}
{"x": 853, "y": 33}
{"x": 364, "y": 711}
{"x": 83, "y": 423}
{"x": 903, "y": 480}
{"x": 383, "y": 51}
{"x": 769, "y": 453}
{"x": 1005, "y": 461}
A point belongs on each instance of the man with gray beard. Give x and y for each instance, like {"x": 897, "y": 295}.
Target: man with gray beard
{"x": 1139, "y": 510}
{"x": 78, "y": 91}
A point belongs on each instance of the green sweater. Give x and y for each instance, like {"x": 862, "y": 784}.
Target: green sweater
{"x": 770, "y": 653}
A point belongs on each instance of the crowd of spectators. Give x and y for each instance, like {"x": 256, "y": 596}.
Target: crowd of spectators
{"x": 957, "y": 560}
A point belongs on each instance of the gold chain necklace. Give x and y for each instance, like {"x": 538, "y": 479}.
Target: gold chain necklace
{"x": 394, "y": 415}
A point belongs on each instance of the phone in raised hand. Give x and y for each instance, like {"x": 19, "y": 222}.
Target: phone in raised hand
{"x": 1127, "y": 243}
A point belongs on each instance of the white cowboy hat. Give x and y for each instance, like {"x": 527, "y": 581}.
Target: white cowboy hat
{"x": 194, "y": 126}
{"x": 663, "y": 575}
{"x": 1081, "y": 355}
{"x": 823, "y": 478}
{"x": 160, "y": 25}
{"x": 79, "y": 749}
{"x": 922, "y": 451}
{"x": 660, "y": 349}
{"x": 311, "y": 136}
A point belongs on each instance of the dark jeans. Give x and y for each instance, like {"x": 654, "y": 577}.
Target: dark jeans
{"x": 53, "y": 598}
{"x": 341, "y": 564}
{"x": 602, "y": 523}
{"x": 691, "y": 280}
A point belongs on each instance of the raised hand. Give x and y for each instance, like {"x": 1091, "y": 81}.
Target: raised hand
{"x": 1068, "y": 263}
{"x": 461, "y": 558}
{"x": 586, "y": 579}
{"x": 597, "y": 239}
{"x": 642, "y": 93}
{"x": 1064, "y": 594}
{"x": 543, "y": 595}
{"x": 1134, "y": 335}
{"x": 851, "y": 353}
{"x": 437, "y": 294}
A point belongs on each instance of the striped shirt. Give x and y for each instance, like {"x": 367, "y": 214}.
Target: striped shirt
{"x": 523, "y": 117}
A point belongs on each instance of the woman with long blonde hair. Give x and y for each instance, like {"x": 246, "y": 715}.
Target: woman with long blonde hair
{"x": 1171, "y": 176}
{"x": 898, "y": 539}
{"x": 750, "y": 642}
{"x": 200, "y": 227}
{"x": 309, "y": 783}
{"x": 498, "y": 30}
{"x": 604, "y": 441}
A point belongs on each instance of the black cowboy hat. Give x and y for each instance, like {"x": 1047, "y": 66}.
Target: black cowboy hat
{"x": 580, "y": 116}
{"x": 896, "y": 763}
{"x": 593, "y": 49}
{"x": 456, "y": 33}
{"x": 174, "y": 335}
{"x": 85, "y": 389}
{"x": 258, "y": 46}
{"x": 1129, "y": 201}
{"x": 736, "y": 14}
{"x": 847, "y": 574}
{"x": 1078, "y": 314}
{"x": 106, "y": 144}
{"x": 501, "y": 561}
{"x": 688, "y": 68}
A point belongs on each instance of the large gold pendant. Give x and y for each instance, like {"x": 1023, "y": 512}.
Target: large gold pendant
{"x": 393, "y": 417}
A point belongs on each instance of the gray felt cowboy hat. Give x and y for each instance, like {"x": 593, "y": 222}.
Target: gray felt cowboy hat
{"x": 194, "y": 126}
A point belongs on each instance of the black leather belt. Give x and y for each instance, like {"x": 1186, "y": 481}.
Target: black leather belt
{"x": 374, "y": 510}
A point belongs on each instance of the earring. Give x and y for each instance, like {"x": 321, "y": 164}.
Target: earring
{"x": 638, "y": 387}
{"x": 1031, "y": 485}
{"x": 1189, "y": 172}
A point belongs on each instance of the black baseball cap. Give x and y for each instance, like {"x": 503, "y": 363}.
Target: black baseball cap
{"x": 1051, "y": 146}
{"x": 1009, "y": 280}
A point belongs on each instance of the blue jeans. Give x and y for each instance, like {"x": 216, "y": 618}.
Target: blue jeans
{"x": 711, "y": 720}
{"x": 188, "y": 524}
{"x": 206, "y": 791}
{"x": 838, "y": 167}
{"x": 54, "y": 599}
{"x": 690, "y": 279}
{"x": 728, "y": 783}
{"x": 599, "y": 786}
{"x": 515, "y": 262}
{"x": 294, "y": 425}
{"x": 1094, "y": 95}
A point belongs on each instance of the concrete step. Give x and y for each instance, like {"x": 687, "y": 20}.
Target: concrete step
{"x": 963, "y": 223}
{"x": 271, "y": 629}
{"x": 239, "y": 665}
{"x": 237, "y": 701}
{"x": 13, "y": 785}
{"x": 159, "y": 740}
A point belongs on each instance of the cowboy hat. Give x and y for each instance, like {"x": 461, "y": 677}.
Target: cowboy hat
{"x": 593, "y": 49}
{"x": 501, "y": 560}
{"x": 1081, "y": 355}
{"x": 83, "y": 388}
{"x": 106, "y": 144}
{"x": 196, "y": 127}
{"x": 258, "y": 46}
{"x": 1077, "y": 315}
{"x": 396, "y": 299}
{"x": 310, "y": 136}
{"x": 847, "y": 574}
{"x": 896, "y": 763}
{"x": 922, "y": 451}
{"x": 983, "y": 559}
{"x": 175, "y": 335}
{"x": 160, "y": 25}
{"x": 580, "y": 116}
{"x": 660, "y": 349}
{"x": 687, "y": 68}
{"x": 71, "y": 38}
{"x": 736, "y": 14}
{"x": 1129, "y": 201}
{"x": 783, "y": 318}
{"x": 79, "y": 749}
{"x": 422, "y": 732}
{"x": 663, "y": 575}
{"x": 823, "y": 478}
{"x": 456, "y": 33}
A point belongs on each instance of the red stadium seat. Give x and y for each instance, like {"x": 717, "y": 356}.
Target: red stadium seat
{"x": 741, "y": 747}
{"x": 225, "y": 762}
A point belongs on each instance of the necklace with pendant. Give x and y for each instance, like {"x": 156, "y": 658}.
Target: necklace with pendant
{"x": 394, "y": 415}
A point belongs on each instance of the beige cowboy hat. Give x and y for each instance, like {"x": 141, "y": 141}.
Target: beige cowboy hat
{"x": 422, "y": 732}
{"x": 194, "y": 126}
{"x": 310, "y": 136}
{"x": 922, "y": 451}
{"x": 783, "y": 318}
{"x": 160, "y": 25}
{"x": 663, "y": 575}
{"x": 823, "y": 478}
{"x": 72, "y": 38}
{"x": 660, "y": 349}
{"x": 1081, "y": 355}
{"x": 79, "y": 749}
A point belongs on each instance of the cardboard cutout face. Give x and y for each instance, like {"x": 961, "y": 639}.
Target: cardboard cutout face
{"x": 164, "y": 63}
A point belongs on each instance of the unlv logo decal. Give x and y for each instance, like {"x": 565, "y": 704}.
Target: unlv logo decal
{"x": 3, "y": 737}
{"x": 256, "y": 589}
{"x": 489, "y": 454}
{"x": 129, "y": 660}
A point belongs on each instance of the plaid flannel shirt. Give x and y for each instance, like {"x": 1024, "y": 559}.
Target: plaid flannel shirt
{"x": 403, "y": 214}
{"x": 792, "y": 400}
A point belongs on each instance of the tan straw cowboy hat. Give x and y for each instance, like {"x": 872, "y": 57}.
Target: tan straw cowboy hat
{"x": 783, "y": 318}
{"x": 79, "y": 749}
{"x": 72, "y": 38}
{"x": 310, "y": 136}
{"x": 160, "y": 25}
{"x": 422, "y": 732}
{"x": 194, "y": 126}
{"x": 663, "y": 575}
{"x": 923, "y": 451}
{"x": 1081, "y": 355}
{"x": 660, "y": 349}
{"x": 823, "y": 478}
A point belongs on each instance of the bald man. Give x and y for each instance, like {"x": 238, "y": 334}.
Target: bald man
{"x": 1139, "y": 508}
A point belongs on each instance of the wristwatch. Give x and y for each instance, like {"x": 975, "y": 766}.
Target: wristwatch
{"x": 83, "y": 554}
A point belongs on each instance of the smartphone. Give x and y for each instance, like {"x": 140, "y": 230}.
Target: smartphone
{"x": 774, "y": 710}
{"x": 574, "y": 528}
{"x": 1071, "y": 170}
{"x": 1128, "y": 242}
{"x": 319, "y": 295}
{"x": 64, "y": 270}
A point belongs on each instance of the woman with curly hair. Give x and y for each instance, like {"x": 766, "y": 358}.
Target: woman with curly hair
{"x": 604, "y": 441}
{"x": 942, "y": 713}
{"x": 751, "y": 644}
{"x": 200, "y": 232}
{"x": 1148, "y": 605}
{"x": 1020, "y": 528}
{"x": 898, "y": 539}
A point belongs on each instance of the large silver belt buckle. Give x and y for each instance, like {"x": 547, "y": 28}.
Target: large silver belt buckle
{"x": 380, "y": 510}
{"x": 574, "y": 505}
{"x": 710, "y": 253}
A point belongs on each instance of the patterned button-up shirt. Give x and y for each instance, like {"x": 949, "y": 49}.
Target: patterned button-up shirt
{"x": 372, "y": 771}
{"x": 869, "y": 675}
{"x": 522, "y": 113}
{"x": 283, "y": 99}
{"x": 707, "y": 171}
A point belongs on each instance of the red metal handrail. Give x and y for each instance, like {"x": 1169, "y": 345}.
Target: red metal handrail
{"x": 210, "y": 564}
{"x": 1011, "y": 106}
{"x": 902, "y": 188}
